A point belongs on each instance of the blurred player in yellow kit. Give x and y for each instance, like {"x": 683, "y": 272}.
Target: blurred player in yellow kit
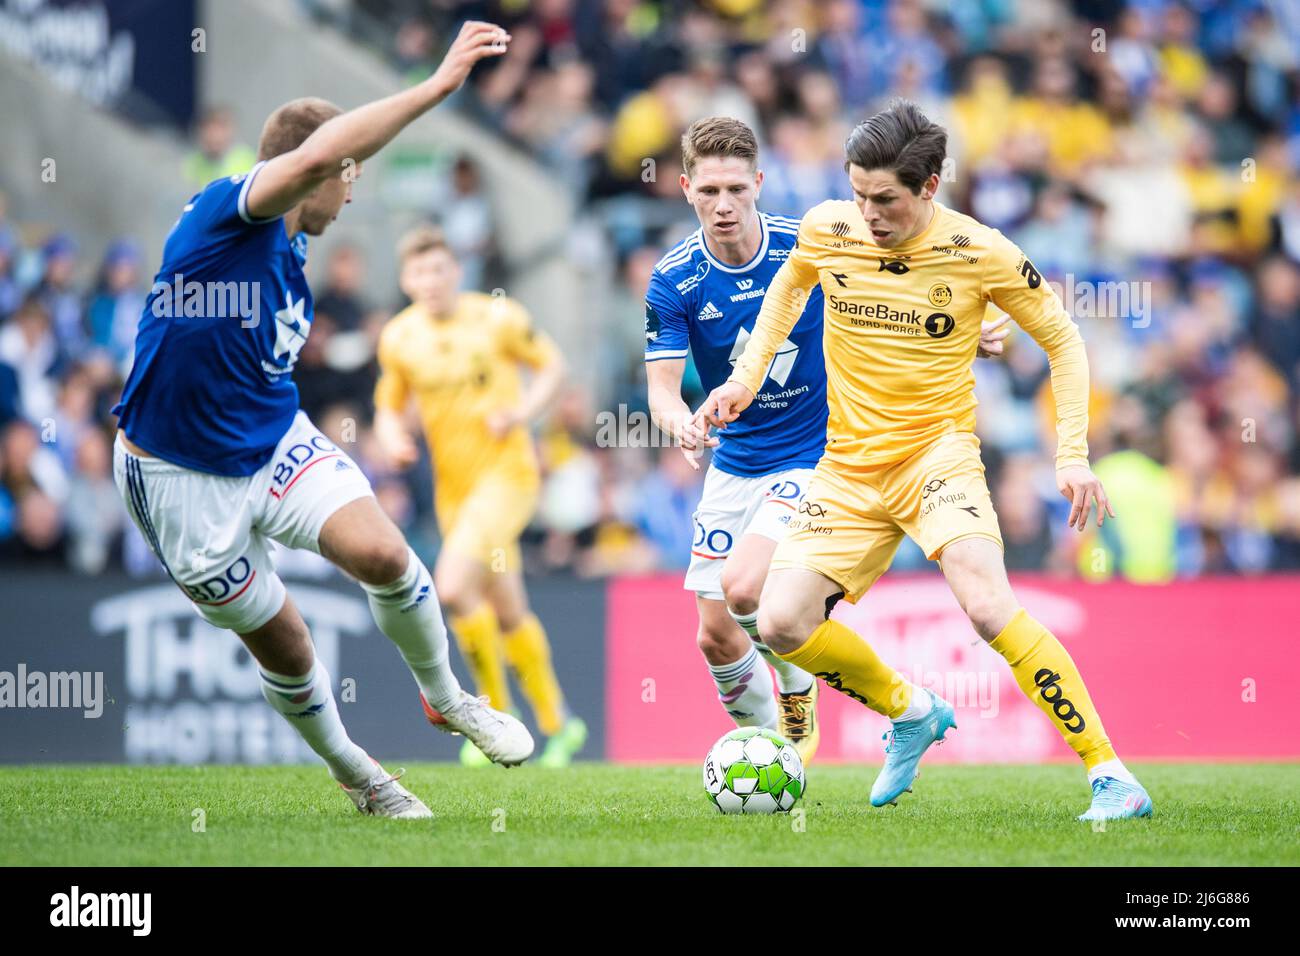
{"x": 906, "y": 283}
{"x": 459, "y": 355}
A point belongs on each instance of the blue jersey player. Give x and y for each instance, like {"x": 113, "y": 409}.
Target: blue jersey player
{"x": 214, "y": 459}
{"x": 703, "y": 299}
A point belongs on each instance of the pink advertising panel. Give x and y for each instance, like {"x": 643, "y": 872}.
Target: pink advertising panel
{"x": 1193, "y": 670}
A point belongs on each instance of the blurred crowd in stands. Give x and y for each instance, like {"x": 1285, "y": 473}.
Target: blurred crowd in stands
{"x": 1145, "y": 154}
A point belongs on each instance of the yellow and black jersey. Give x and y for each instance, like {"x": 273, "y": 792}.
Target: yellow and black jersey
{"x": 902, "y": 327}
{"x": 460, "y": 369}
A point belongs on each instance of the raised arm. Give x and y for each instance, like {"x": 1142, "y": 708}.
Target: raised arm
{"x": 358, "y": 134}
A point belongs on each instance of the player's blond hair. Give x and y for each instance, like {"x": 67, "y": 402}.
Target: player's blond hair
{"x": 718, "y": 136}
{"x": 419, "y": 240}
{"x": 289, "y": 126}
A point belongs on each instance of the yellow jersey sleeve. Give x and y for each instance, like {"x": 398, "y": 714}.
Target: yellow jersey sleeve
{"x": 1013, "y": 284}
{"x": 392, "y": 390}
{"x": 520, "y": 339}
{"x": 786, "y": 297}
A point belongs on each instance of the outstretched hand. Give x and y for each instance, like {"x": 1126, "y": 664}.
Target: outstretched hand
{"x": 477, "y": 40}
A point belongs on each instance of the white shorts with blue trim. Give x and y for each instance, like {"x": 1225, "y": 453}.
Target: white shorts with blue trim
{"x": 213, "y": 533}
{"x": 732, "y": 507}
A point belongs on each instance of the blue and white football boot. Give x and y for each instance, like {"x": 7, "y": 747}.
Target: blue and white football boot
{"x": 904, "y": 747}
{"x": 1114, "y": 799}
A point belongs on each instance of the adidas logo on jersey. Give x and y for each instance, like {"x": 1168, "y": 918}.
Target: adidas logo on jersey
{"x": 710, "y": 311}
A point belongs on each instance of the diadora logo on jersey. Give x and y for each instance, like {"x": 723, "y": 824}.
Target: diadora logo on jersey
{"x": 291, "y": 331}
{"x": 840, "y": 277}
{"x": 743, "y": 284}
{"x": 710, "y": 311}
{"x": 897, "y": 266}
{"x": 690, "y": 282}
{"x": 782, "y": 363}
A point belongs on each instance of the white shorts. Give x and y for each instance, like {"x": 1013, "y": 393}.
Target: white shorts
{"x": 731, "y": 507}
{"x": 213, "y": 534}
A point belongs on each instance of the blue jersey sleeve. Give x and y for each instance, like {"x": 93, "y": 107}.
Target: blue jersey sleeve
{"x": 221, "y": 209}
{"x": 666, "y": 331}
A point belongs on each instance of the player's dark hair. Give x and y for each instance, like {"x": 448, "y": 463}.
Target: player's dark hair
{"x": 900, "y": 139}
{"x": 289, "y": 126}
{"x": 718, "y": 136}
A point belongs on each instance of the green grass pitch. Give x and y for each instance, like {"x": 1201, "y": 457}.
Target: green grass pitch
{"x": 1222, "y": 815}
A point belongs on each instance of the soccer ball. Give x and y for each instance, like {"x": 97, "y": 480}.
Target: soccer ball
{"x": 753, "y": 770}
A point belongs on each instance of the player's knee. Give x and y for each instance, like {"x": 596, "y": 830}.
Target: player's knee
{"x": 454, "y": 591}
{"x": 381, "y": 561}
{"x": 988, "y": 613}
{"x": 721, "y": 646}
{"x": 783, "y": 627}
{"x": 742, "y": 590}
{"x": 510, "y": 616}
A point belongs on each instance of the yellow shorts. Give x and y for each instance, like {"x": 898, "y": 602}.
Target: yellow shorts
{"x": 850, "y": 524}
{"x": 486, "y": 522}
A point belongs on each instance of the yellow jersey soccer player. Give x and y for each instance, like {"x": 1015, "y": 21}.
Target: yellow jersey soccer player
{"x": 906, "y": 283}
{"x": 459, "y": 355}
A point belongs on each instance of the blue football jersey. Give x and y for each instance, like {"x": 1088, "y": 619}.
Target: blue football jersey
{"x": 696, "y": 303}
{"x": 230, "y": 309}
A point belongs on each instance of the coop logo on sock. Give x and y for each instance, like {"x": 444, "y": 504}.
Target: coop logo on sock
{"x": 103, "y": 909}
{"x": 835, "y": 680}
{"x": 1049, "y": 681}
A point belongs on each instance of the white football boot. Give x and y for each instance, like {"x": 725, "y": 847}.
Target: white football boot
{"x": 383, "y": 796}
{"x": 502, "y": 738}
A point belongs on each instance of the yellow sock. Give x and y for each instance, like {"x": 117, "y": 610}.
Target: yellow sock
{"x": 529, "y": 654}
{"x": 841, "y": 658}
{"x": 1045, "y": 672}
{"x": 479, "y": 637}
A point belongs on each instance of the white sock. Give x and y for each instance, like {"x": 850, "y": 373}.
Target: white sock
{"x": 408, "y": 612}
{"x": 745, "y": 690}
{"x": 918, "y": 706}
{"x": 789, "y": 678}
{"x": 307, "y": 702}
{"x": 1112, "y": 768}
